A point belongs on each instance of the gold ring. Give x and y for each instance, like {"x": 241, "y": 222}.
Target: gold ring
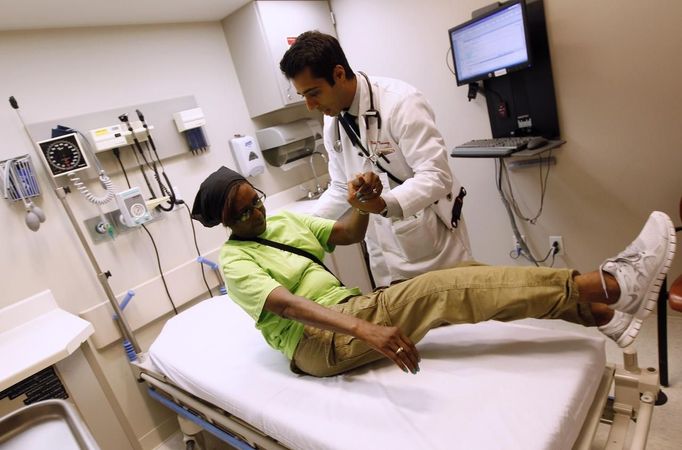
{"x": 400, "y": 349}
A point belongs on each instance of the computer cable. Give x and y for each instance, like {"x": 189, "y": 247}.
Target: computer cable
{"x": 447, "y": 61}
{"x": 523, "y": 249}
{"x": 543, "y": 189}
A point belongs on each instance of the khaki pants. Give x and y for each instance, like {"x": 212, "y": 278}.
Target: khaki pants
{"x": 465, "y": 294}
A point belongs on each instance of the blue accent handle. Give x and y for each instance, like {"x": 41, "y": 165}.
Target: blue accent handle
{"x": 129, "y": 296}
{"x": 130, "y": 350}
{"x": 208, "y": 262}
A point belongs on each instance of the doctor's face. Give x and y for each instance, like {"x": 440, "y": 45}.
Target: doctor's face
{"x": 320, "y": 95}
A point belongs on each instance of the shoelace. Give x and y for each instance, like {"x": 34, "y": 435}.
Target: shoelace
{"x": 630, "y": 259}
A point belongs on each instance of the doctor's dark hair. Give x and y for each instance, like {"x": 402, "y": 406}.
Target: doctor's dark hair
{"x": 318, "y": 51}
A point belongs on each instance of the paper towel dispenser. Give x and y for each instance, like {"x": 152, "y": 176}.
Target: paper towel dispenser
{"x": 289, "y": 142}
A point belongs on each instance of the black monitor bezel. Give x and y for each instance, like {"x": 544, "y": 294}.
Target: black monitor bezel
{"x": 513, "y": 68}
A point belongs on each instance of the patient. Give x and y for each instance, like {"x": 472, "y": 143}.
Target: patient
{"x": 325, "y": 328}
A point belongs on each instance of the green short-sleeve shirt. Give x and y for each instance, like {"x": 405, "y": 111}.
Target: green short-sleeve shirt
{"x": 253, "y": 270}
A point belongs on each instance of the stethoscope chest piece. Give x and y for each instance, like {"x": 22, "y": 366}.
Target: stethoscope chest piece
{"x": 337, "y": 145}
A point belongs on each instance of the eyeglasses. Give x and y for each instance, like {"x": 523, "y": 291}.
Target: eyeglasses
{"x": 257, "y": 204}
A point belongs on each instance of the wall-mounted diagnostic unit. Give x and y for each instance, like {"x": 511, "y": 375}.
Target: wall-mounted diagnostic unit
{"x": 110, "y": 137}
{"x": 117, "y": 136}
{"x": 133, "y": 209}
{"x": 63, "y": 154}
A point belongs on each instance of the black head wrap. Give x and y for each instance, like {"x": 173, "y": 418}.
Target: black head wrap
{"x": 210, "y": 200}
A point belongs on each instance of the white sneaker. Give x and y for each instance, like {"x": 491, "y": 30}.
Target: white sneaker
{"x": 641, "y": 268}
{"x": 616, "y": 329}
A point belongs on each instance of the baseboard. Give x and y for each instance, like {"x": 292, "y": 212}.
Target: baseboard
{"x": 160, "y": 433}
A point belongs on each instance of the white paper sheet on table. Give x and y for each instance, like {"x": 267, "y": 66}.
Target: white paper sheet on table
{"x": 486, "y": 386}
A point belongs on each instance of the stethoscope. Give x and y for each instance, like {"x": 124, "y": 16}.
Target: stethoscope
{"x": 372, "y": 119}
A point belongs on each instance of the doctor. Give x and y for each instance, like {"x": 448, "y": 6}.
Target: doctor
{"x": 382, "y": 128}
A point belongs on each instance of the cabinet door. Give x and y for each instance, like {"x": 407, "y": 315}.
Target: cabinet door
{"x": 282, "y": 21}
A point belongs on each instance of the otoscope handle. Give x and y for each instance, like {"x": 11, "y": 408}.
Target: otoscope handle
{"x": 13, "y": 102}
{"x": 208, "y": 262}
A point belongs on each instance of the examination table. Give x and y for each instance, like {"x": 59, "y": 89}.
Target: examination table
{"x": 491, "y": 385}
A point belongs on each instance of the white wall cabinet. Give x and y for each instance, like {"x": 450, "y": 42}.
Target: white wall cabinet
{"x": 258, "y": 35}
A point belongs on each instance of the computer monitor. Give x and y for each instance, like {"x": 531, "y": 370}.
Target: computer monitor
{"x": 492, "y": 44}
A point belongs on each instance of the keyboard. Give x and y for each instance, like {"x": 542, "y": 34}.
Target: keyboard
{"x": 492, "y": 147}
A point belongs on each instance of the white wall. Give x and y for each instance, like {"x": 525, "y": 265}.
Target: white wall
{"x": 619, "y": 103}
{"x": 63, "y": 73}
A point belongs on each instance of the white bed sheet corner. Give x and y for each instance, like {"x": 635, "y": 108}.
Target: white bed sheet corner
{"x": 491, "y": 385}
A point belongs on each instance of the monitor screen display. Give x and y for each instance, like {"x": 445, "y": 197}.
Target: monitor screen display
{"x": 491, "y": 45}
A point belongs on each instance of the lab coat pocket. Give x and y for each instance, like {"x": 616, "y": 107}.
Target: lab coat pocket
{"x": 417, "y": 235}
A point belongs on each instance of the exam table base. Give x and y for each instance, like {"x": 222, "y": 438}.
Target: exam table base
{"x": 220, "y": 423}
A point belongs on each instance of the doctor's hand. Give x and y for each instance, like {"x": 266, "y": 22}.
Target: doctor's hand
{"x": 392, "y": 343}
{"x": 364, "y": 193}
{"x": 368, "y": 186}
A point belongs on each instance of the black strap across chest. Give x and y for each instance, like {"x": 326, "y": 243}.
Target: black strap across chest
{"x": 286, "y": 248}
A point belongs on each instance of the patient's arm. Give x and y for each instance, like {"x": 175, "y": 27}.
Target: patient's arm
{"x": 385, "y": 340}
{"x": 351, "y": 227}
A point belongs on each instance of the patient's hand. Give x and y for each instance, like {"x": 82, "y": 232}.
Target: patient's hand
{"x": 388, "y": 341}
{"x": 364, "y": 192}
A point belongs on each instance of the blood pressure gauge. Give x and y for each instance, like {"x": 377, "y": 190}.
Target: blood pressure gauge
{"x": 64, "y": 154}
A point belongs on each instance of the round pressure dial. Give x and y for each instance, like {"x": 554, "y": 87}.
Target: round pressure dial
{"x": 63, "y": 154}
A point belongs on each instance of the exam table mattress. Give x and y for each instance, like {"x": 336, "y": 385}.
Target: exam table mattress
{"x": 491, "y": 385}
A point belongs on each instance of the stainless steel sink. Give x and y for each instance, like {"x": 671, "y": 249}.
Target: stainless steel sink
{"x": 48, "y": 424}
{"x": 302, "y": 206}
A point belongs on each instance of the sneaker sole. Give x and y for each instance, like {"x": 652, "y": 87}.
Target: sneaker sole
{"x": 651, "y": 300}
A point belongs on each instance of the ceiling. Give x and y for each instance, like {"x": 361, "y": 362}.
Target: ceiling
{"x": 39, "y": 14}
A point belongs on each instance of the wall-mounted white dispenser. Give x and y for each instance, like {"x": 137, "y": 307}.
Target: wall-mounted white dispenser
{"x": 189, "y": 123}
{"x": 247, "y": 155}
{"x": 290, "y": 142}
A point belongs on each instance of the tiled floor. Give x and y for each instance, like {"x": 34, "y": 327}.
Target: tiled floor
{"x": 666, "y": 425}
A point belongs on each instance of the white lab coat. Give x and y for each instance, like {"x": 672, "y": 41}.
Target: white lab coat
{"x": 400, "y": 247}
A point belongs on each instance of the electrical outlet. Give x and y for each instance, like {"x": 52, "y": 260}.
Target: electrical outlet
{"x": 560, "y": 241}
{"x": 516, "y": 246}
